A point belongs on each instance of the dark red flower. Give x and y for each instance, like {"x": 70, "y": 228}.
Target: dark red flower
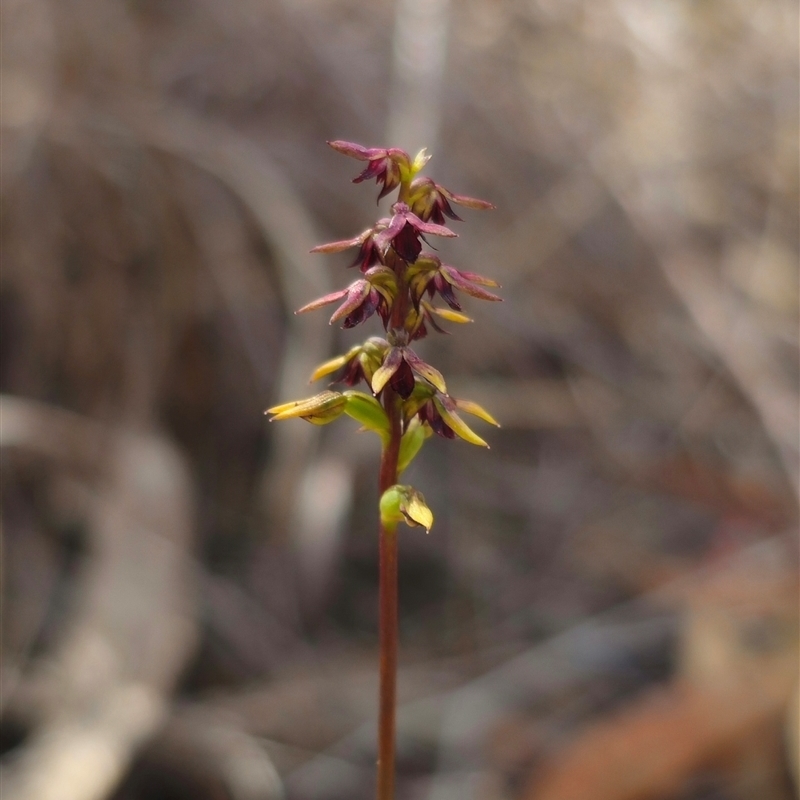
{"x": 358, "y": 363}
{"x": 387, "y": 166}
{"x": 441, "y": 413}
{"x": 429, "y": 275}
{"x": 374, "y": 292}
{"x": 418, "y": 319}
{"x": 404, "y": 231}
{"x": 368, "y": 253}
{"x": 398, "y": 368}
{"x": 430, "y": 201}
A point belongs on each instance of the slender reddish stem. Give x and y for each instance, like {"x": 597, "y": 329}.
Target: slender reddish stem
{"x": 387, "y": 630}
{"x": 387, "y": 591}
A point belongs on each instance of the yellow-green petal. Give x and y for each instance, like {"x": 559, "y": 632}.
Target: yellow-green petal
{"x": 428, "y": 372}
{"x": 333, "y": 364}
{"x": 460, "y": 428}
{"x": 448, "y": 314}
{"x": 384, "y": 373}
{"x": 416, "y": 511}
{"x": 319, "y": 410}
{"x": 284, "y": 407}
{"x": 420, "y": 160}
{"x": 477, "y": 411}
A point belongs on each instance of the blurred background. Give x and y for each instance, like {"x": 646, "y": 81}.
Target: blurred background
{"x": 607, "y": 605}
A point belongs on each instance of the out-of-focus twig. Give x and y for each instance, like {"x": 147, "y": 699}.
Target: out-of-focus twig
{"x": 219, "y": 753}
{"x": 420, "y": 51}
{"x": 745, "y": 348}
{"x": 103, "y": 692}
{"x": 288, "y": 229}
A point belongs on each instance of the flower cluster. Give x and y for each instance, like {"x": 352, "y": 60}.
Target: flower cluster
{"x": 400, "y": 282}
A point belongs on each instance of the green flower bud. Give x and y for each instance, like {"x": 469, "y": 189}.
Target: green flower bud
{"x": 319, "y": 410}
{"x": 404, "y": 504}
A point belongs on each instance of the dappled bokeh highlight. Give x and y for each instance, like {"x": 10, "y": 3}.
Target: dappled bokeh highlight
{"x": 190, "y": 594}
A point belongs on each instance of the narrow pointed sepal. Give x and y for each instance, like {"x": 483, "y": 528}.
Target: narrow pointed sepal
{"x": 344, "y": 244}
{"x": 390, "y": 365}
{"x": 334, "y": 364}
{"x": 477, "y": 411}
{"x": 466, "y": 282}
{"x": 319, "y": 409}
{"x": 470, "y": 202}
{"x": 425, "y": 370}
{"x": 322, "y": 301}
{"x": 475, "y": 278}
{"x": 446, "y": 313}
{"x": 352, "y": 149}
{"x": 356, "y": 294}
{"x": 456, "y": 424}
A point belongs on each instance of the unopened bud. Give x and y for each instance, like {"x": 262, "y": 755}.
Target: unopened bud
{"x": 404, "y": 504}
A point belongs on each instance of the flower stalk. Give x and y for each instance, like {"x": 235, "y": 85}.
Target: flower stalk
{"x": 387, "y": 607}
{"x": 408, "y": 400}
